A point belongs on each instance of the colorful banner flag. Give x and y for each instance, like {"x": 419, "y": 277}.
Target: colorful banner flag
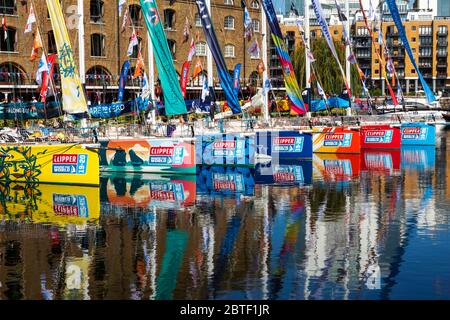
{"x": 133, "y": 42}
{"x": 47, "y": 77}
{"x": 173, "y": 97}
{"x": 236, "y": 78}
{"x": 123, "y": 79}
{"x": 254, "y": 50}
{"x": 125, "y": 21}
{"x": 31, "y": 19}
{"x": 121, "y": 3}
{"x": 74, "y": 100}
{"x": 205, "y": 89}
{"x": 377, "y": 52}
{"x": 145, "y": 94}
{"x": 184, "y": 77}
{"x": 43, "y": 67}
{"x": 186, "y": 31}
{"x": 292, "y": 88}
{"x": 248, "y": 29}
{"x": 5, "y": 29}
{"x": 222, "y": 70}
{"x": 140, "y": 65}
{"x": 401, "y": 32}
{"x": 192, "y": 51}
{"x": 37, "y": 43}
{"x": 317, "y": 7}
{"x": 197, "y": 68}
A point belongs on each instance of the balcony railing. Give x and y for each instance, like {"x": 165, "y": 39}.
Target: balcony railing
{"x": 442, "y": 54}
{"x": 442, "y": 33}
{"x": 441, "y": 66}
{"x": 442, "y": 43}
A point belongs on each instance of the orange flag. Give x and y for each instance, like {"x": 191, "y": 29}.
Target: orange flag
{"x": 139, "y": 65}
{"x": 37, "y": 43}
{"x": 197, "y": 68}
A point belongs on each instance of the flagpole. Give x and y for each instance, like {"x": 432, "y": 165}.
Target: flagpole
{"x": 81, "y": 53}
{"x": 307, "y": 44}
{"x": 151, "y": 68}
{"x": 266, "y": 66}
{"x": 209, "y": 63}
{"x": 347, "y": 47}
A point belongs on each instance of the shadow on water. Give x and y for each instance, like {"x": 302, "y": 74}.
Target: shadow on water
{"x": 368, "y": 226}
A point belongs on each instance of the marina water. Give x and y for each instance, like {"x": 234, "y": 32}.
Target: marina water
{"x": 370, "y": 226}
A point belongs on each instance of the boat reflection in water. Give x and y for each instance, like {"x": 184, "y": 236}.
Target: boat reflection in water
{"x": 148, "y": 191}
{"x": 336, "y": 167}
{"x": 284, "y": 173}
{"x": 418, "y": 157}
{"x": 225, "y": 181}
{"x": 381, "y": 161}
{"x": 54, "y": 204}
{"x": 366, "y": 227}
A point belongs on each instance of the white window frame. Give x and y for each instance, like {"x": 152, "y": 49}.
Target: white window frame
{"x": 229, "y": 2}
{"x": 228, "y": 54}
{"x": 230, "y": 18}
{"x": 200, "y": 45}
{"x": 257, "y": 23}
{"x": 198, "y": 21}
{"x": 254, "y": 4}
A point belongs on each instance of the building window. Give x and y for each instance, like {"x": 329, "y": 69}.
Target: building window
{"x": 336, "y": 32}
{"x": 8, "y": 7}
{"x": 413, "y": 39}
{"x": 229, "y": 2}
{"x": 97, "y": 11}
{"x": 229, "y": 23}
{"x": 198, "y": 21}
{"x": 413, "y": 28}
{"x": 169, "y": 19}
{"x": 8, "y": 44}
{"x": 98, "y": 75}
{"x": 425, "y": 30}
{"x": 97, "y": 45}
{"x": 172, "y": 47}
{"x": 229, "y": 51}
{"x": 255, "y": 25}
{"x": 11, "y": 73}
{"x": 135, "y": 15}
{"x": 200, "y": 49}
{"x": 51, "y": 42}
{"x": 413, "y": 70}
{"x": 254, "y": 4}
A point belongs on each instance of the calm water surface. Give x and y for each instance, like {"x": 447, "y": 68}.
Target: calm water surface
{"x": 372, "y": 226}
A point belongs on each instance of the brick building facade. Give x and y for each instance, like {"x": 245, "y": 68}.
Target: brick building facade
{"x": 106, "y": 42}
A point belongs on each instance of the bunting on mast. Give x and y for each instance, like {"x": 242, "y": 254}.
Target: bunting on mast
{"x": 317, "y": 7}
{"x": 292, "y": 88}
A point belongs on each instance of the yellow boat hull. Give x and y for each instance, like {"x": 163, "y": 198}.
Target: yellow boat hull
{"x": 59, "y": 164}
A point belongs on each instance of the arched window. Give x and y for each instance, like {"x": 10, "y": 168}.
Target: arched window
{"x": 51, "y": 42}
{"x": 169, "y": 19}
{"x": 97, "y": 45}
{"x": 200, "y": 49}
{"x": 229, "y": 23}
{"x": 229, "y": 2}
{"x": 8, "y": 7}
{"x": 11, "y": 73}
{"x": 198, "y": 21}
{"x": 172, "y": 47}
{"x": 97, "y": 11}
{"x": 254, "y": 4}
{"x": 136, "y": 48}
{"x": 98, "y": 75}
{"x": 135, "y": 14}
{"x": 8, "y": 44}
{"x": 255, "y": 25}
{"x": 229, "y": 51}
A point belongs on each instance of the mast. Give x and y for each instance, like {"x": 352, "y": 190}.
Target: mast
{"x": 307, "y": 44}
{"x": 347, "y": 47}
{"x": 264, "y": 58}
{"x": 208, "y": 54}
{"x": 151, "y": 77}
{"x": 81, "y": 52}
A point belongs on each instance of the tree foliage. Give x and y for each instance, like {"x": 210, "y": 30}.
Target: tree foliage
{"x": 326, "y": 66}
